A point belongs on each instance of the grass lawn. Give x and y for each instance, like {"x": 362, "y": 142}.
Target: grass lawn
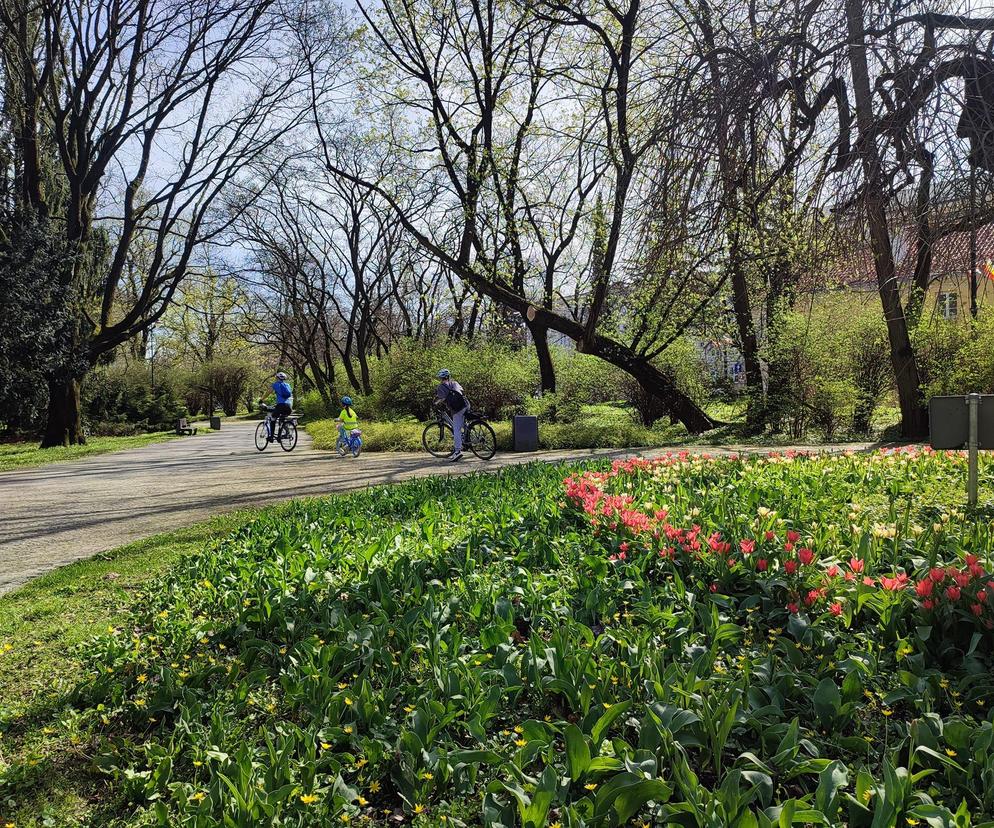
{"x": 22, "y": 455}
{"x": 42, "y": 626}
{"x": 726, "y": 642}
{"x": 606, "y": 425}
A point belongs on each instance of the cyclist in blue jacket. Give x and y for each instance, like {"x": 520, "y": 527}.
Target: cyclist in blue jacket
{"x": 284, "y": 402}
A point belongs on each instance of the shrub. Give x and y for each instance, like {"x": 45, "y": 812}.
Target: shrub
{"x": 222, "y": 382}
{"x": 495, "y": 378}
{"x": 119, "y": 399}
{"x": 954, "y": 357}
{"x": 682, "y": 362}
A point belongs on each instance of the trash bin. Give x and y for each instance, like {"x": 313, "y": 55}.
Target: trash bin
{"x": 524, "y": 433}
{"x": 215, "y": 423}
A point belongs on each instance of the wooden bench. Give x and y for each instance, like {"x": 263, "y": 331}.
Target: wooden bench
{"x": 182, "y": 427}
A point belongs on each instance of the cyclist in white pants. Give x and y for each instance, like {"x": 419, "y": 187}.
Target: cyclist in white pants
{"x": 452, "y": 398}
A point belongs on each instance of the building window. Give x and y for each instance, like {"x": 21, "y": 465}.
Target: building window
{"x": 947, "y": 305}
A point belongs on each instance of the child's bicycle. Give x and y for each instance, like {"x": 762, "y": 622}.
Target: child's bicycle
{"x": 349, "y": 443}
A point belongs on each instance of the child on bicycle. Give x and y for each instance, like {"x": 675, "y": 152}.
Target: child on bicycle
{"x": 347, "y": 420}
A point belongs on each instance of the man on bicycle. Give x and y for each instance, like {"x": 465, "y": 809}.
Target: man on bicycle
{"x": 450, "y": 396}
{"x": 284, "y": 404}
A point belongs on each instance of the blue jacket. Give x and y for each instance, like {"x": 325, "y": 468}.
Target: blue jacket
{"x": 283, "y": 391}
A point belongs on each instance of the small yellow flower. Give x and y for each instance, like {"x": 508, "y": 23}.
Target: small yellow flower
{"x": 199, "y": 796}
{"x": 142, "y": 678}
{"x": 361, "y": 762}
{"x": 887, "y": 711}
{"x": 419, "y": 809}
{"x": 347, "y": 728}
{"x": 308, "y": 799}
{"x": 590, "y": 786}
{"x": 374, "y": 787}
{"x": 427, "y": 775}
{"x": 519, "y": 729}
{"x": 348, "y": 701}
{"x": 363, "y": 802}
{"x": 556, "y": 825}
{"x": 342, "y": 685}
{"x": 911, "y": 821}
{"x": 197, "y": 763}
{"x": 950, "y": 752}
{"x": 520, "y": 742}
{"x": 325, "y": 745}
{"x": 408, "y": 709}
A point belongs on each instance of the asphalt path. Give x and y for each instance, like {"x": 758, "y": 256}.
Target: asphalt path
{"x": 59, "y": 513}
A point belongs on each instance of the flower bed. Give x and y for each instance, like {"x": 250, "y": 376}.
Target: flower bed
{"x": 689, "y": 641}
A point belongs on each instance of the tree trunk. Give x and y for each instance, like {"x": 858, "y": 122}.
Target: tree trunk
{"x": 748, "y": 341}
{"x": 64, "y": 426}
{"x": 914, "y": 419}
{"x": 653, "y": 381}
{"x": 547, "y": 371}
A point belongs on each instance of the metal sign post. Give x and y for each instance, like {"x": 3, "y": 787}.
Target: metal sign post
{"x": 973, "y": 446}
{"x": 963, "y": 422}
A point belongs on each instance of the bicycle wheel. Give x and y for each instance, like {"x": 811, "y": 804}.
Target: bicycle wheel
{"x": 438, "y": 440}
{"x": 288, "y": 436}
{"x": 357, "y": 448}
{"x": 261, "y": 436}
{"x": 482, "y": 440}
{"x": 342, "y": 447}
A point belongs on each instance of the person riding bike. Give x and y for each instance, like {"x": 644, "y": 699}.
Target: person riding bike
{"x": 284, "y": 404}
{"x": 347, "y": 419}
{"x": 450, "y": 396}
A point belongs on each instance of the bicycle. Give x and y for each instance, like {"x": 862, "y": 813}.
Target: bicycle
{"x": 287, "y": 436}
{"x": 350, "y": 443}
{"x": 438, "y": 438}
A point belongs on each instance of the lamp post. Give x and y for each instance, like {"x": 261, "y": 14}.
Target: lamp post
{"x": 151, "y": 356}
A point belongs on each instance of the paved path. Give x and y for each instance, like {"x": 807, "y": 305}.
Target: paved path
{"x": 56, "y": 514}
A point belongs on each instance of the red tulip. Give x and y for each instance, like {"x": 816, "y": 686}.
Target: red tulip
{"x": 805, "y": 555}
{"x": 836, "y": 608}
{"x": 924, "y": 587}
{"x": 790, "y": 567}
{"x": 761, "y": 565}
{"x": 792, "y": 536}
{"x": 976, "y": 609}
{"x": 792, "y": 608}
{"x": 855, "y": 564}
{"x": 952, "y": 593}
{"x": 747, "y": 546}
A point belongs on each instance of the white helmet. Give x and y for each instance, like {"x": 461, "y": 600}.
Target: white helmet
{"x": 280, "y": 375}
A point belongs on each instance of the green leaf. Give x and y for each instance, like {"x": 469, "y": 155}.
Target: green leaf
{"x": 827, "y": 702}
{"x": 599, "y": 730}
{"x": 577, "y": 752}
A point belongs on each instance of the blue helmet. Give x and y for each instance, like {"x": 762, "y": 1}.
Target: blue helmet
{"x": 444, "y": 374}
{"x": 347, "y": 401}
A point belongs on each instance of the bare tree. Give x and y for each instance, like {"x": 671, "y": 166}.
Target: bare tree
{"x": 158, "y": 111}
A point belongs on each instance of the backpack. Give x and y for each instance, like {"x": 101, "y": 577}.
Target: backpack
{"x": 454, "y": 399}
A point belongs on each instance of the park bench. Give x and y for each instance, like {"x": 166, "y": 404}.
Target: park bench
{"x": 182, "y": 427}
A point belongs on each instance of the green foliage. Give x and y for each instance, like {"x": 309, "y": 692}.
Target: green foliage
{"x": 602, "y": 426}
{"x": 496, "y": 379}
{"x": 223, "y": 381}
{"x": 513, "y": 650}
{"x": 954, "y": 357}
{"x": 32, "y": 317}
{"x": 119, "y": 399}
{"x": 835, "y": 354}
